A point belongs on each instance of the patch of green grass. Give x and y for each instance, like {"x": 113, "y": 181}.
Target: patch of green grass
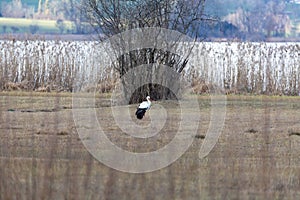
{"x": 23, "y": 25}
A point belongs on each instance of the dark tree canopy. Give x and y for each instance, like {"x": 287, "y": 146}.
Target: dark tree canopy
{"x": 111, "y": 17}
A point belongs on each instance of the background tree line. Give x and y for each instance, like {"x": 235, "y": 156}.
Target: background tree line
{"x": 241, "y": 19}
{"x": 59, "y": 10}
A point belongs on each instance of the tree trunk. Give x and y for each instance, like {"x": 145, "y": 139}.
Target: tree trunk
{"x": 157, "y": 81}
{"x": 40, "y": 7}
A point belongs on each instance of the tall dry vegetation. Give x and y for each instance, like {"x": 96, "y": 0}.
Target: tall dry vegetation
{"x": 48, "y": 65}
{"x": 256, "y": 68}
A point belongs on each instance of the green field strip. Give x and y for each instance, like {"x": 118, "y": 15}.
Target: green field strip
{"x": 44, "y": 26}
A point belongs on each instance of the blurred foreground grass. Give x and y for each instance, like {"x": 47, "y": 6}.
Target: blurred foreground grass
{"x": 256, "y": 157}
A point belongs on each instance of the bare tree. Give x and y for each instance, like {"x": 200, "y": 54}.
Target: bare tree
{"x": 111, "y": 17}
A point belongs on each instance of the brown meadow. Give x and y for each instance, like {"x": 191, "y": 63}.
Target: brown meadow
{"x": 256, "y": 156}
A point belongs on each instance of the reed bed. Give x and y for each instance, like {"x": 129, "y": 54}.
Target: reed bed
{"x": 256, "y": 68}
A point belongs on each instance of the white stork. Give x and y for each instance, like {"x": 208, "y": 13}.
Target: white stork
{"x": 143, "y": 107}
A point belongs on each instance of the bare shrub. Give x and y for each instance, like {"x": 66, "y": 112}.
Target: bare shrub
{"x": 10, "y": 86}
{"x": 200, "y": 87}
{"x": 43, "y": 89}
{"x": 22, "y": 86}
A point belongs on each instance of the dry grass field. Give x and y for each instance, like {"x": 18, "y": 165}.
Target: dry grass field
{"x": 42, "y": 157}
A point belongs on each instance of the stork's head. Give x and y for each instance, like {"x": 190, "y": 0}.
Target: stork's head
{"x": 148, "y": 98}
